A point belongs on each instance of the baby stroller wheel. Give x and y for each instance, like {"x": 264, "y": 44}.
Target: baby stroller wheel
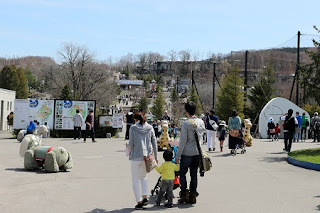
{"x": 242, "y": 152}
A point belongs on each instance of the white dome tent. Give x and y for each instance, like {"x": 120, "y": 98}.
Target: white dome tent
{"x": 275, "y": 108}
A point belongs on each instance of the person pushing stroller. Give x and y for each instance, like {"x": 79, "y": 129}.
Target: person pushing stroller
{"x": 167, "y": 171}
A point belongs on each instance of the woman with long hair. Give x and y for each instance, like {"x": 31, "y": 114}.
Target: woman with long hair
{"x": 142, "y": 143}
{"x": 234, "y": 124}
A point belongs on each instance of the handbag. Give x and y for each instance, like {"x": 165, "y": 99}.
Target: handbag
{"x": 234, "y": 133}
{"x": 150, "y": 162}
{"x": 213, "y": 124}
{"x": 272, "y": 130}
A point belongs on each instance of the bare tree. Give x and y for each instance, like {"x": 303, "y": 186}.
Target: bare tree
{"x": 87, "y": 78}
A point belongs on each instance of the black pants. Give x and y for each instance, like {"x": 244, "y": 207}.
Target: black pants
{"x": 191, "y": 163}
{"x": 77, "y": 132}
{"x": 93, "y": 135}
{"x": 316, "y": 136}
{"x": 288, "y": 140}
{"x": 127, "y": 131}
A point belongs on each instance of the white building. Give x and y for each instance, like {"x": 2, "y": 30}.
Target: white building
{"x": 275, "y": 108}
{"x": 6, "y": 106}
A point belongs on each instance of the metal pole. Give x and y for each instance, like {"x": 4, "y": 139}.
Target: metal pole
{"x": 297, "y": 69}
{"x": 213, "y": 84}
{"x": 246, "y": 76}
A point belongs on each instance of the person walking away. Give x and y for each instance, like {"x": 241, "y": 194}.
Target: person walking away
{"x": 89, "y": 127}
{"x": 234, "y": 124}
{"x": 290, "y": 124}
{"x": 277, "y": 132}
{"x": 222, "y": 134}
{"x": 212, "y": 126}
{"x": 142, "y": 143}
{"x": 159, "y": 128}
{"x": 77, "y": 124}
{"x": 188, "y": 153}
{"x": 10, "y": 121}
{"x": 315, "y": 123}
{"x": 129, "y": 121}
{"x": 155, "y": 128}
{"x": 271, "y": 129}
{"x": 32, "y": 127}
{"x": 304, "y": 127}
{"x": 296, "y": 136}
{"x": 167, "y": 171}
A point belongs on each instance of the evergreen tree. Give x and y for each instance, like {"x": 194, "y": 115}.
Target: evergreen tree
{"x": 230, "y": 95}
{"x": 66, "y": 93}
{"x": 22, "y": 86}
{"x": 9, "y": 78}
{"x": 195, "y": 98}
{"x": 174, "y": 103}
{"x": 262, "y": 92}
{"x": 158, "y": 105}
{"x": 143, "y": 104}
{"x": 32, "y": 81}
{"x": 310, "y": 73}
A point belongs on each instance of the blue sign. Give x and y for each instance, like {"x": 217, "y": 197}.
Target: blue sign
{"x": 67, "y": 104}
{"x": 34, "y": 103}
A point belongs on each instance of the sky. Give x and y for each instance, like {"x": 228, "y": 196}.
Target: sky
{"x": 113, "y": 28}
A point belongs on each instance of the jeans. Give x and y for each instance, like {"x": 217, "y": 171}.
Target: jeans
{"x": 192, "y": 163}
{"x": 139, "y": 179}
{"x": 93, "y": 134}
{"x": 166, "y": 187}
{"x": 288, "y": 140}
{"x": 77, "y": 132}
{"x": 296, "y": 135}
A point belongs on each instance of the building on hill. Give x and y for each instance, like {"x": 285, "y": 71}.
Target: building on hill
{"x": 129, "y": 84}
{"x": 6, "y": 106}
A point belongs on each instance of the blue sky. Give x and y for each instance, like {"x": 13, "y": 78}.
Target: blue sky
{"x": 117, "y": 27}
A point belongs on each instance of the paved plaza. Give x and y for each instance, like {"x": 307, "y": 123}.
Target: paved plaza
{"x": 260, "y": 181}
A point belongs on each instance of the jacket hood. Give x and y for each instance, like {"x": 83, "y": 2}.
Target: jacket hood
{"x": 143, "y": 129}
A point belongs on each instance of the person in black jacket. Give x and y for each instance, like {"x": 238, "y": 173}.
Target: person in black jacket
{"x": 129, "y": 121}
{"x": 290, "y": 124}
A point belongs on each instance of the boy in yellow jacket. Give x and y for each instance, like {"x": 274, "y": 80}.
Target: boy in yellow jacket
{"x": 167, "y": 171}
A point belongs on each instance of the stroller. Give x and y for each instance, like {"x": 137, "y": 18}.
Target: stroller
{"x": 176, "y": 182}
{"x": 240, "y": 145}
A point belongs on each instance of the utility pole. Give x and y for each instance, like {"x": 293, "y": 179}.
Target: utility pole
{"x": 245, "y": 76}
{"x": 213, "y": 84}
{"x": 297, "y": 69}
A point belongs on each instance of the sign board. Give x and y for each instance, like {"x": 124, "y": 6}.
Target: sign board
{"x": 65, "y": 110}
{"x": 105, "y": 121}
{"x": 26, "y": 110}
{"x": 117, "y": 121}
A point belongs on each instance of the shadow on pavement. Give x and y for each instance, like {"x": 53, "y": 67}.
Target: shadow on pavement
{"x": 277, "y": 153}
{"x": 274, "y": 159}
{"x": 222, "y": 156}
{"x": 23, "y": 170}
{"x": 318, "y": 206}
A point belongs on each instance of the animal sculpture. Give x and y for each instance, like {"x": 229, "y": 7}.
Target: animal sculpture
{"x": 163, "y": 141}
{"x": 246, "y": 135}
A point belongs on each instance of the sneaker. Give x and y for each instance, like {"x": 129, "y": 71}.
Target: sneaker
{"x": 94, "y": 141}
{"x": 168, "y": 205}
{"x": 209, "y": 150}
{"x": 84, "y": 141}
{"x": 213, "y": 149}
{"x": 139, "y": 206}
{"x": 145, "y": 201}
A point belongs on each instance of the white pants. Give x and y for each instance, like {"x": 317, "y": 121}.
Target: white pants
{"x": 139, "y": 179}
{"x": 211, "y": 135}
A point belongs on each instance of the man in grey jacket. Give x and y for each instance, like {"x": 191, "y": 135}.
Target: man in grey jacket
{"x": 188, "y": 153}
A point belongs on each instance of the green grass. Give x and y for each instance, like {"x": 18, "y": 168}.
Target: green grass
{"x": 308, "y": 155}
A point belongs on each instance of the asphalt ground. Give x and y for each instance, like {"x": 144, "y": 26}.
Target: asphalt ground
{"x": 259, "y": 181}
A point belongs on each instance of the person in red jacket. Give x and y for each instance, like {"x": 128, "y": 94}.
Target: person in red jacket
{"x": 277, "y": 131}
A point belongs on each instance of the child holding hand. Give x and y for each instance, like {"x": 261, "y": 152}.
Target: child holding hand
{"x": 167, "y": 171}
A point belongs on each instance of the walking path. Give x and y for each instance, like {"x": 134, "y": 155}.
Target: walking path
{"x": 259, "y": 181}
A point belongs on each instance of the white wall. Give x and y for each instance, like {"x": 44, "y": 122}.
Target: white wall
{"x": 275, "y": 108}
{"x": 6, "y": 106}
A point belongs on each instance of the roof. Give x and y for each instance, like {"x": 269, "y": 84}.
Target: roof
{"x": 7, "y": 91}
{"x": 130, "y": 82}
